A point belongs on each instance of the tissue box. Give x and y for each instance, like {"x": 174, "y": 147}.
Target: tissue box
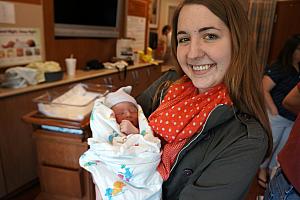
{"x": 53, "y": 76}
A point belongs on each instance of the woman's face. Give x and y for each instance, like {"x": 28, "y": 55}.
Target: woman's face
{"x": 204, "y": 46}
{"x": 296, "y": 56}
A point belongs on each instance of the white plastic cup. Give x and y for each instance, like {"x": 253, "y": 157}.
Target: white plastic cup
{"x": 71, "y": 66}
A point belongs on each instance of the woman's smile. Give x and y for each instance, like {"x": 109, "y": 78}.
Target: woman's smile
{"x": 203, "y": 68}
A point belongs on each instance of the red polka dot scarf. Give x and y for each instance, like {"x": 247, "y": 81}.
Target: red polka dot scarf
{"x": 182, "y": 113}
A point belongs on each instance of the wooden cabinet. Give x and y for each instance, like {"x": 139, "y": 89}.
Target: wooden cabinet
{"x": 60, "y": 174}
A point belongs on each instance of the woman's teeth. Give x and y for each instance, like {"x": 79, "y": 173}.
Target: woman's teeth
{"x": 202, "y": 67}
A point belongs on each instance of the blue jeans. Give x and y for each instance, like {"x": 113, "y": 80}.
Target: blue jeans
{"x": 281, "y": 128}
{"x": 280, "y": 189}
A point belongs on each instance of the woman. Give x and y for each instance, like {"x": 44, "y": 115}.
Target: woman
{"x": 212, "y": 121}
{"x": 286, "y": 182}
{"x": 278, "y": 81}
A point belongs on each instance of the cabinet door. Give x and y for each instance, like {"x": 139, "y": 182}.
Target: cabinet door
{"x": 141, "y": 78}
{"x": 60, "y": 175}
{"x": 59, "y": 181}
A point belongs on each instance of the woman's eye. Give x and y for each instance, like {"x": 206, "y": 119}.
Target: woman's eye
{"x": 211, "y": 36}
{"x": 183, "y": 40}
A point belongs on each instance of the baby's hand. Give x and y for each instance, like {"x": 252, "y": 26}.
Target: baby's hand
{"x": 128, "y": 128}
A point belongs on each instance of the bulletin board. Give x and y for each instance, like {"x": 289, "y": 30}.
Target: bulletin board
{"x": 19, "y": 46}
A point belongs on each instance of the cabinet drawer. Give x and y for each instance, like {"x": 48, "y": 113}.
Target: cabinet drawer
{"x": 58, "y": 181}
{"x": 59, "y": 154}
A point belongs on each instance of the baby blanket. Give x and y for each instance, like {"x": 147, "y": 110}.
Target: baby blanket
{"x": 123, "y": 167}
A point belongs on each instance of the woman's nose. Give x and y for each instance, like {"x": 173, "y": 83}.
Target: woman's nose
{"x": 196, "y": 48}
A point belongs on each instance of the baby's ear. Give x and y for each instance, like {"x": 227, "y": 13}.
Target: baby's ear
{"x": 112, "y": 115}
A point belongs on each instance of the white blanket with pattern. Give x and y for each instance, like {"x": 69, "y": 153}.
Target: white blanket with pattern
{"x": 123, "y": 167}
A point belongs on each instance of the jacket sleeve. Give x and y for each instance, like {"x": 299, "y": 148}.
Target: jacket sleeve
{"x": 230, "y": 174}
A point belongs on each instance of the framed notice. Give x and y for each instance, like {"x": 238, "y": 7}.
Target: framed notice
{"x": 136, "y": 29}
{"x": 19, "y": 46}
{"x": 154, "y": 17}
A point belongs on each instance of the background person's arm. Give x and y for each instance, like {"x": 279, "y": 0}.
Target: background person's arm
{"x": 268, "y": 85}
{"x": 292, "y": 100}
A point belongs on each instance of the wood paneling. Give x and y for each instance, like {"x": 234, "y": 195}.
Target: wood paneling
{"x": 287, "y": 23}
{"x": 138, "y": 8}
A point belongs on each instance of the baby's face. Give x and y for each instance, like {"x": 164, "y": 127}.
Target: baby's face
{"x": 126, "y": 110}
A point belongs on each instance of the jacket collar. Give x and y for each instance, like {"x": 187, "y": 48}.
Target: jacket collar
{"x": 218, "y": 116}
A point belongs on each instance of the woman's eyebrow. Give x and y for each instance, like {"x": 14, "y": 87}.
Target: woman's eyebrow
{"x": 181, "y": 32}
{"x": 200, "y": 30}
{"x": 207, "y": 28}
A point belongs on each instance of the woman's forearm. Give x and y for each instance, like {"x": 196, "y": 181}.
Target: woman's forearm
{"x": 292, "y": 101}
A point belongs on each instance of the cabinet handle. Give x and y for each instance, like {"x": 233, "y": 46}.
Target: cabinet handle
{"x": 133, "y": 76}
{"x": 105, "y": 81}
{"x": 110, "y": 80}
{"x": 148, "y": 73}
{"x": 137, "y": 77}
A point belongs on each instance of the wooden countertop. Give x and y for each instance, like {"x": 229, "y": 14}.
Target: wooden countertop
{"x": 165, "y": 68}
{"x": 80, "y": 75}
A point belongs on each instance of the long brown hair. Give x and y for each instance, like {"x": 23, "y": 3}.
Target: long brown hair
{"x": 244, "y": 76}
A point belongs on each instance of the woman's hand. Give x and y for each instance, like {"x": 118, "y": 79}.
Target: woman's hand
{"x": 128, "y": 128}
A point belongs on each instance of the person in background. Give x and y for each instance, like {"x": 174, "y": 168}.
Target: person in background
{"x": 212, "y": 121}
{"x": 286, "y": 182}
{"x": 279, "y": 79}
{"x": 166, "y": 44}
{"x": 167, "y": 34}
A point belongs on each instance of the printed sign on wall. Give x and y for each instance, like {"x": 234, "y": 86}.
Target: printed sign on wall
{"x": 19, "y": 46}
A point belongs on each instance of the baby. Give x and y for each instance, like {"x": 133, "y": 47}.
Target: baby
{"x": 123, "y": 154}
{"x": 125, "y": 110}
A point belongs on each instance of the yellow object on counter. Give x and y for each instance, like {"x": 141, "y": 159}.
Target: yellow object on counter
{"x": 147, "y": 57}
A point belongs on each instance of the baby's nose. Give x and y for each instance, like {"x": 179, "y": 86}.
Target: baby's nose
{"x": 127, "y": 113}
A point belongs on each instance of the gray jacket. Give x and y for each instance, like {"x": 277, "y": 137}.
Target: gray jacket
{"x": 219, "y": 163}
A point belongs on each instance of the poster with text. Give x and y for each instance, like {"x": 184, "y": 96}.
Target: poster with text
{"x": 19, "y": 46}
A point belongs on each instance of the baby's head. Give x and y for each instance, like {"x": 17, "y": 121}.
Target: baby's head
{"x": 123, "y": 105}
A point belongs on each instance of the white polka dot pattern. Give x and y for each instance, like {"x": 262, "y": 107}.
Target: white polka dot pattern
{"x": 182, "y": 114}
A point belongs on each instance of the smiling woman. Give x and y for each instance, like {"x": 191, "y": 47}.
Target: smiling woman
{"x": 212, "y": 121}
